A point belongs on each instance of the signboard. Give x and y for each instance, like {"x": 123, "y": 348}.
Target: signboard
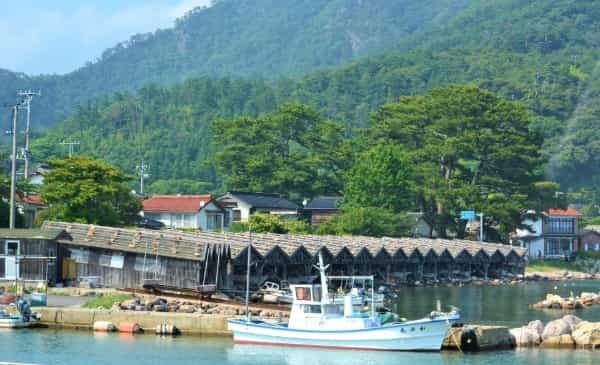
{"x": 467, "y": 215}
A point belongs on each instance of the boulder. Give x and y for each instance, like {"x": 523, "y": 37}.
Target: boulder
{"x": 587, "y": 335}
{"x": 187, "y": 308}
{"x": 129, "y": 304}
{"x": 558, "y": 342}
{"x": 152, "y": 301}
{"x": 572, "y": 321}
{"x": 526, "y": 337}
{"x": 589, "y": 298}
{"x": 537, "y": 326}
{"x": 556, "y": 328}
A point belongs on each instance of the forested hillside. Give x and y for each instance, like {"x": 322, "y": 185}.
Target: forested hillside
{"x": 543, "y": 54}
{"x": 240, "y": 38}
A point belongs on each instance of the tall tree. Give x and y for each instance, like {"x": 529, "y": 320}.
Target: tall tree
{"x": 81, "y": 189}
{"x": 290, "y": 151}
{"x": 381, "y": 177}
{"x": 471, "y": 150}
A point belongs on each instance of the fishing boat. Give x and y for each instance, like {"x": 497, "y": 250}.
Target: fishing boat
{"x": 18, "y": 315}
{"x": 317, "y": 321}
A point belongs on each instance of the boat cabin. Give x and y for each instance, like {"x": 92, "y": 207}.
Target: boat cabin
{"x": 312, "y": 309}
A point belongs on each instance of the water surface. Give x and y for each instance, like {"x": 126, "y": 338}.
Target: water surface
{"x": 501, "y": 305}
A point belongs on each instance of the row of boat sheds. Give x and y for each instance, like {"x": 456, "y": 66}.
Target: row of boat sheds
{"x": 126, "y": 258}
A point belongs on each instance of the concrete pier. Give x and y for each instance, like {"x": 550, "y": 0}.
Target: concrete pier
{"x": 198, "y": 324}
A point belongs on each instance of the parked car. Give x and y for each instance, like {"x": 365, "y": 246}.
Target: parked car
{"x": 150, "y": 223}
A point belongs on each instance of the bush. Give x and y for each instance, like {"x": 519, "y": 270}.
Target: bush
{"x": 106, "y": 301}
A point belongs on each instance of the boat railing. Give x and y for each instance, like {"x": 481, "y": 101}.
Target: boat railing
{"x": 370, "y": 278}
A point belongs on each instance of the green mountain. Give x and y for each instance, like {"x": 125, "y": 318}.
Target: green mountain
{"x": 263, "y": 38}
{"x": 544, "y": 54}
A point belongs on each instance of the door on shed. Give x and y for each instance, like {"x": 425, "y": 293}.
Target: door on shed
{"x": 11, "y": 264}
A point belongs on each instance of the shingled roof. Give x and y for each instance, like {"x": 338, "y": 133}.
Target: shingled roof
{"x": 261, "y": 200}
{"x": 569, "y": 212}
{"x": 176, "y": 203}
{"x": 323, "y": 203}
{"x": 193, "y": 245}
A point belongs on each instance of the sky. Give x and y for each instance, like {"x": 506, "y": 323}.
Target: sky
{"x": 59, "y": 36}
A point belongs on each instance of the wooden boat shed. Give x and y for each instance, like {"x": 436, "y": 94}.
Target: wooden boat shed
{"x": 125, "y": 257}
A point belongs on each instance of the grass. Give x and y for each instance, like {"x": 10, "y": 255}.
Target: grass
{"x": 106, "y": 301}
{"x": 547, "y": 266}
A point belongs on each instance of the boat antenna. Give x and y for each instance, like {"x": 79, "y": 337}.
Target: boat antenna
{"x": 248, "y": 254}
{"x": 324, "y": 288}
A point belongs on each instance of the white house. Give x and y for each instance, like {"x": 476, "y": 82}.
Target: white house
{"x": 185, "y": 211}
{"x": 553, "y": 233}
{"x": 241, "y": 204}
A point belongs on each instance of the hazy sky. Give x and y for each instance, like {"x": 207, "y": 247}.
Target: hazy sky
{"x": 59, "y": 36}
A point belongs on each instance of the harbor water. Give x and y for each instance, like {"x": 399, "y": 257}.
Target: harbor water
{"x": 505, "y": 305}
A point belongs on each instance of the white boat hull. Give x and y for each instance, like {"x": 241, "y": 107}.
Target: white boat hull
{"x": 15, "y": 323}
{"x": 420, "y": 335}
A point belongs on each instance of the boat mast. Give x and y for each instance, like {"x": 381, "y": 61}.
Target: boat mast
{"x": 248, "y": 254}
{"x": 324, "y": 287}
{"x": 373, "y": 297}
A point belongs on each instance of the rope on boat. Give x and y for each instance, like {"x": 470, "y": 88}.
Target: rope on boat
{"x": 453, "y": 336}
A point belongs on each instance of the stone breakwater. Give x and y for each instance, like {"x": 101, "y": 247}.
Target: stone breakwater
{"x": 554, "y": 301}
{"x": 147, "y": 303}
{"x": 568, "y": 332}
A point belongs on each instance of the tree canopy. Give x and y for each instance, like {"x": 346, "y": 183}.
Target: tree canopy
{"x": 470, "y": 150}
{"x": 291, "y": 150}
{"x": 84, "y": 190}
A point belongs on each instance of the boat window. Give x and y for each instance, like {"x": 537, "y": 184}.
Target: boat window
{"x": 333, "y": 309}
{"x": 312, "y": 308}
{"x": 303, "y": 293}
{"x": 317, "y": 294}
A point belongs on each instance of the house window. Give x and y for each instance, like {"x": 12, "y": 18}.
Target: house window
{"x": 189, "y": 221}
{"x": 557, "y": 246}
{"x": 561, "y": 225}
{"x": 213, "y": 221}
{"x": 237, "y": 215}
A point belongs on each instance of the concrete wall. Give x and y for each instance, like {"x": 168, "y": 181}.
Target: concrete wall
{"x": 209, "y": 324}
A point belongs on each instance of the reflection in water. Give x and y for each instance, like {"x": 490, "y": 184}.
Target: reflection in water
{"x": 249, "y": 354}
{"x": 503, "y": 304}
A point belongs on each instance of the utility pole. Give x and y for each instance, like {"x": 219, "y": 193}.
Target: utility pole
{"x": 71, "y": 146}
{"x": 13, "y": 170}
{"x": 28, "y": 96}
{"x": 480, "y": 227}
{"x": 141, "y": 170}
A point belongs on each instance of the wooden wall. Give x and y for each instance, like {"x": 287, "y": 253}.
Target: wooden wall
{"x": 33, "y": 269}
{"x": 169, "y": 271}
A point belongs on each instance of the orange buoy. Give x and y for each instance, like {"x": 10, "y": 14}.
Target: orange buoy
{"x": 129, "y": 327}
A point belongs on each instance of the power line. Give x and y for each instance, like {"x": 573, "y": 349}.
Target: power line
{"x": 13, "y": 170}
{"x": 71, "y": 145}
{"x": 28, "y": 97}
{"x": 141, "y": 170}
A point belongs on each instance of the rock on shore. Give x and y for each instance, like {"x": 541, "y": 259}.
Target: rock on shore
{"x": 564, "y": 333}
{"x": 165, "y": 304}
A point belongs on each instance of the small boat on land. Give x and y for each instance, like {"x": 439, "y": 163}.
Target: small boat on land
{"x": 17, "y": 315}
{"x": 317, "y": 321}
